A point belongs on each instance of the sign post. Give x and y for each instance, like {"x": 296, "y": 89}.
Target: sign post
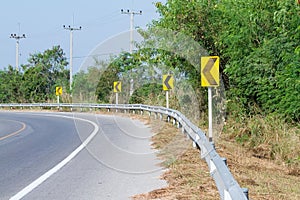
{"x": 168, "y": 84}
{"x": 210, "y": 78}
{"x": 58, "y": 92}
{"x": 117, "y": 89}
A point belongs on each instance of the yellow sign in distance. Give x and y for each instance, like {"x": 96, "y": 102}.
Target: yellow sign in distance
{"x": 168, "y": 82}
{"x": 210, "y": 71}
{"x": 117, "y": 86}
{"x": 58, "y": 91}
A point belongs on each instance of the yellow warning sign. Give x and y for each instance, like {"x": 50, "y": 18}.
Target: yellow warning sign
{"x": 210, "y": 71}
{"x": 168, "y": 82}
{"x": 58, "y": 91}
{"x": 117, "y": 86}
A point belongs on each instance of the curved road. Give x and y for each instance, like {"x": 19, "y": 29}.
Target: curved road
{"x": 116, "y": 163}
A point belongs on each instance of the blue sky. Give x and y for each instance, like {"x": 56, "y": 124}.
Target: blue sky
{"x": 42, "y": 22}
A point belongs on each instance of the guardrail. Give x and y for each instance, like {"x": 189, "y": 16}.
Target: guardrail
{"x": 228, "y": 187}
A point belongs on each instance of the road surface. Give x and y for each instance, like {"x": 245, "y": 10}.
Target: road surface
{"x": 75, "y": 156}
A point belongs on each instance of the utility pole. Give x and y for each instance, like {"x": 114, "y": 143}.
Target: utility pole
{"x": 131, "y": 13}
{"x": 17, "y": 38}
{"x": 71, "y": 29}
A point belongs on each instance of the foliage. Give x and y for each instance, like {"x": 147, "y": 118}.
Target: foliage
{"x": 37, "y": 81}
{"x": 150, "y": 93}
{"x": 261, "y": 45}
{"x": 267, "y": 136}
{"x": 108, "y": 76}
{"x": 258, "y": 42}
{"x": 10, "y": 90}
{"x": 85, "y": 84}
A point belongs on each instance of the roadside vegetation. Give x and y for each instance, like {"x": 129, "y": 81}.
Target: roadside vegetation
{"x": 188, "y": 177}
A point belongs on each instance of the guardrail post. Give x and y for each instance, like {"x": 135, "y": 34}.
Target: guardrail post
{"x": 178, "y": 123}
{"x": 246, "y": 192}
{"x": 195, "y": 142}
{"x": 224, "y": 160}
{"x": 213, "y": 145}
{"x": 188, "y": 133}
{"x": 182, "y": 130}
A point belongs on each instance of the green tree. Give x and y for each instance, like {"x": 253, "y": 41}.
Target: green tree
{"x": 258, "y": 42}
{"x": 44, "y": 72}
{"x": 106, "y": 80}
{"x": 85, "y": 84}
{"x": 150, "y": 93}
{"x": 10, "y": 90}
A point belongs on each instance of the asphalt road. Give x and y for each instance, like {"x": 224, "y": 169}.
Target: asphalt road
{"x": 75, "y": 156}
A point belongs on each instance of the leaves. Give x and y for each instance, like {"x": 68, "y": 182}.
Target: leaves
{"x": 258, "y": 42}
{"x": 38, "y": 80}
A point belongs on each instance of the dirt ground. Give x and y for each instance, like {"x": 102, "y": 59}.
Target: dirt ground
{"x": 188, "y": 175}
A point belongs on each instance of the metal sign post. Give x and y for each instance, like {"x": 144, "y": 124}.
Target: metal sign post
{"x": 167, "y": 98}
{"x": 210, "y": 78}
{"x": 117, "y": 98}
{"x": 210, "y": 131}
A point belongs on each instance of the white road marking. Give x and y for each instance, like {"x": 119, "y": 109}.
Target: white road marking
{"x": 52, "y": 171}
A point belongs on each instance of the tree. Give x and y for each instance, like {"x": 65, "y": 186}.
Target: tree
{"x": 85, "y": 84}
{"x": 10, "y": 90}
{"x": 44, "y": 72}
{"x": 258, "y": 42}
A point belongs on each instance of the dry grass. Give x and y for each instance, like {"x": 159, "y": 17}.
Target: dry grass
{"x": 265, "y": 178}
{"x": 188, "y": 176}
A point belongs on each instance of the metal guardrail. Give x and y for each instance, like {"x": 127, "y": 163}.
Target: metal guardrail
{"x": 228, "y": 187}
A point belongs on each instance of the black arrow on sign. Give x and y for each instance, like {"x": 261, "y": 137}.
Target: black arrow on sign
{"x": 167, "y": 82}
{"x": 117, "y": 86}
{"x": 206, "y": 71}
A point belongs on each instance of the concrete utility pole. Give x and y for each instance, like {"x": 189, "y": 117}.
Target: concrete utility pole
{"x": 71, "y": 29}
{"x": 17, "y": 37}
{"x": 131, "y": 13}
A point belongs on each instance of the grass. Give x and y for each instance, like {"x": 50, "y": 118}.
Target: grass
{"x": 256, "y": 150}
{"x": 268, "y": 137}
{"x": 187, "y": 175}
